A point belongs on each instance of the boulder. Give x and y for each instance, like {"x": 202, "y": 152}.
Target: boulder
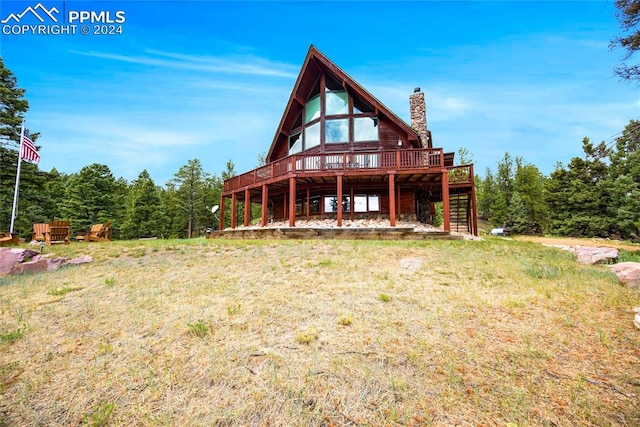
{"x": 9, "y": 257}
{"x": 592, "y": 255}
{"x": 628, "y": 273}
{"x": 19, "y": 261}
{"x": 29, "y": 267}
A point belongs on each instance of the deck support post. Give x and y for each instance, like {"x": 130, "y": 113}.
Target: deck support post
{"x": 247, "y": 207}
{"x": 474, "y": 209}
{"x": 234, "y": 210}
{"x": 221, "y": 221}
{"x": 351, "y": 204}
{"x": 308, "y": 201}
{"x": 392, "y": 199}
{"x": 292, "y": 202}
{"x": 339, "y": 201}
{"x": 446, "y": 209}
{"x": 265, "y": 204}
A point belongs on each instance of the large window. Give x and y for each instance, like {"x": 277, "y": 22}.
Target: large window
{"x": 336, "y": 130}
{"x": 341, "y": 120}
{"x": 331, "y": 204}
{"x": 312, "y": 109}
{"x": 364, "y": 203}
{"x": 337, "y": 103}
{"x": 365, "y": 129}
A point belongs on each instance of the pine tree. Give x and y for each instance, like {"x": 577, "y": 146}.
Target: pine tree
{"x": 12, "y": 107}
{"x": 188, "y": 195}
{"x": 145, "y": 213}
{"x": 89, "y": 197}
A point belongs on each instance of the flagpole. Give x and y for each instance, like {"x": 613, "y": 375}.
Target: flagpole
{"x": 15, "y": 192}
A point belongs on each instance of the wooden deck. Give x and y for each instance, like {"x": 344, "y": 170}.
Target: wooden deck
{"x": 363, "y": 163}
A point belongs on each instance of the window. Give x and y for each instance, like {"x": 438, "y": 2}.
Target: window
{"x": 336, "y": 130}
{"x": 337, "y": 102}
{"x": 341, "y": 119}
{"x": 331, "y": 204}
{"x": 295, "y": 143}
{"x": 365, "y": 129}
{"x": 360, "y": 204}
{"x": 312, "y": 109}
{"x": 364, "y": 203}
{"x": 312, "y": 136}
{"x": 374, "y": 203}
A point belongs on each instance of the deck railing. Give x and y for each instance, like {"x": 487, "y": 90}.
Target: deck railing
{"x": 333, "y": 162}
{"x": 462, "y": 174}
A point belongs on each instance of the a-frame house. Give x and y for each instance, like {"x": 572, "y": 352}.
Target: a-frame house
{"x": 339, "y": 153}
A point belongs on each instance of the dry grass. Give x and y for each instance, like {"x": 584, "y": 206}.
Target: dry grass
{"x": 474, "y": 333}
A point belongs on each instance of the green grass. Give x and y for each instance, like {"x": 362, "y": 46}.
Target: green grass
{"x": 310, "y": 333}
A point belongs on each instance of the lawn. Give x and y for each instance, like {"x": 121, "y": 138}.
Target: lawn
{"x": 319, "y": 333}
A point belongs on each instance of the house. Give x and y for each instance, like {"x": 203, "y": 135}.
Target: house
{"x": 339, "y": 153}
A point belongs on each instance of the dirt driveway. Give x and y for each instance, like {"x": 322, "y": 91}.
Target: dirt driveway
{"x": 569, "y": 241}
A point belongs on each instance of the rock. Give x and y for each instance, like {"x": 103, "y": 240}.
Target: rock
{"x": 29, "y": 267}
{"x": 636, "y": 321}
{"x": 55, "y": 263}
{"x": 10, "y": 257}
{"x": 591, "y": 255}
{"x": 82, "y": 259}
{"x": 411, "y": 264}
{"x": 19, "y": 261}
{"x": 628, "y": 273}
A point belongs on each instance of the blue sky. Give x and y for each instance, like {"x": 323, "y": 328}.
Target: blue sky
{"x": 210, "y": 80}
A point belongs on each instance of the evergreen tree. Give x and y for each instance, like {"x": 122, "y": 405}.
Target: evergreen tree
{"x": 89, "y": 197}
{"x": 629, "y": 17}
{"x": 498, "y": 213}
{"x": 145, "y": 213}
{"x": 487, "y": 191}
{"x": 529, "y": 185}
{"x": 578, "y": 197}
{"x": 189, "y": 197}
{"x": 12, "y": 108}
{"x": 517, "y": 215}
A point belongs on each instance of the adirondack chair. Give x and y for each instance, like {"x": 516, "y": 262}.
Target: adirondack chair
{"x": 99, "y": 233}
{"x": 59, "y": 232}
{"x": 81, "y": 236}
{"x": 41, "y": 232}
{"x": 9, "y": 239}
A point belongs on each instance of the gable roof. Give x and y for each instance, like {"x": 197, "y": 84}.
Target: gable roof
{"x": 315, "y": 64}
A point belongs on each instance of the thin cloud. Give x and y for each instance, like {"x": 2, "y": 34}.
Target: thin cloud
{"x": 243, "y": 65}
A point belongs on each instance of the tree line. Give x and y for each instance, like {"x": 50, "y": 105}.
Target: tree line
{"x": 181, "y": 208}
{"x": 597, "y": 195}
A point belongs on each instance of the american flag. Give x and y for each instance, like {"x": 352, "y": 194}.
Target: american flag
{"x": 29, "y": 152}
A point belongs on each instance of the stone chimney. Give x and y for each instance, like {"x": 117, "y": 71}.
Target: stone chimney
{"x": 418, "y": 110}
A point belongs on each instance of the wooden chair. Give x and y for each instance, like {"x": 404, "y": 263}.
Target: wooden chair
{"x": 59, "y": 232}
{"x": 9, "y": 239}
{"x": 99, "y": 233}
{"x": 40, "y": 232}
{"x": 82, "y": 236}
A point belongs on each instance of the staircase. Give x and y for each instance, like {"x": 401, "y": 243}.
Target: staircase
{"x": 460, "y": 217}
